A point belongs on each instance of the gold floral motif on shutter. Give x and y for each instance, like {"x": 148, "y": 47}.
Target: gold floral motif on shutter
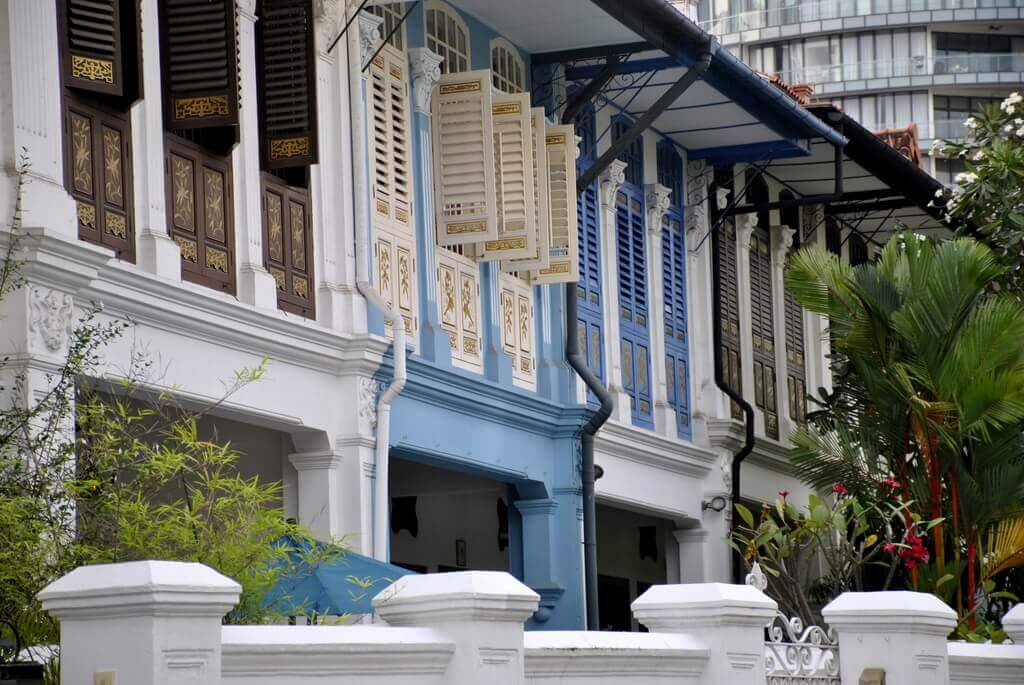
{"x": 183, "y": 193}
{"x": 275, "y": 229}
{"x": 298, "y": 226}
{"x": 214, "y": 200}
{"x": 113, "y": 176}
{"x": 81, "y": 153}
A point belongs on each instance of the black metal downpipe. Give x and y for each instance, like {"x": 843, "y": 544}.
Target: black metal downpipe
{"x": 593, "y": 383}
{"x": 723, "y": 385}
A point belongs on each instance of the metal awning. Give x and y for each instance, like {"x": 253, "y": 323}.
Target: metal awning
{"x": 881, "y": 187}
{"x": 731, "y": 114}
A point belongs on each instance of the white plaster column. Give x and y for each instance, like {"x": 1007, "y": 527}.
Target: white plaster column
{"x": 781, "y": 242}
{"x": 816, "y": 340}
{"x": 613, "y": 177}
{"x": 903, "y": 633}
{"x": 482, "y": 612}
{"x": 744, "y": 233}
{"x": 30, "y": 117}
{"x": 691, "y": 562}
{"x": 141, "y": 622}
{"x": 255, "y": 284}
{"x": 728, "y": 620}
{"x": 319, "y": 491}
{"x": 656, "y": 202}
{"x": 157, "y": 252}
{"x": 338, "y": 304}
{"x": 707, "y": 401}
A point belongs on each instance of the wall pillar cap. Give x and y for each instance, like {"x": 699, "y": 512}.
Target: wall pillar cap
{"x": 681, "y": 608}
{"x": 890, "y": 612}
{"x": 140, "y": 588}
{"x": 315, "y": 461}
{"x": 465, "y": 596}
{"x": 1013, "y": 624}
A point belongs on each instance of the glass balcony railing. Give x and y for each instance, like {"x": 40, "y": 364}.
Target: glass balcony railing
{"x": 833, "y": 9}
{"x": 913, "y": 66}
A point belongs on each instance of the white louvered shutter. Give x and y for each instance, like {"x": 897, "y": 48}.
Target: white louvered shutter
{"x": 541, "y": 256}
{"x": 514, "y": 179}
{"x": 560, "y": 145}
{"x": 463, "y": 139}
{"x": 394, "y": 242}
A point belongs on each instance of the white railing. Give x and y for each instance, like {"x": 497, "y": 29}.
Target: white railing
{"x": 159, "y": 623}
{"x": 833, "y": 9}
{"x": 909, "y": 66}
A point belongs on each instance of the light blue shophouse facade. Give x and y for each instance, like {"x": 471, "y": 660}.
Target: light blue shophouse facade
{"x": 483, "y": 424}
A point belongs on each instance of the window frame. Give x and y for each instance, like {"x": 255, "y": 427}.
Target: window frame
{"x": 499, "y": 79}
{"x": 449, "y": 49}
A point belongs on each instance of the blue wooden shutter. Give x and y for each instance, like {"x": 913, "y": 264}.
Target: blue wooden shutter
{"x": 588, "y": 289}
{"x": 635, "y": 342}
{"x": 673, "y": 265}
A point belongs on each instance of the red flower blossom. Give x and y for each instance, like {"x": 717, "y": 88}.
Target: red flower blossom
{"x": 891, "y": 483}
{"x": 889, "y": 547}
{"x": 783, "y": 494}
{"x": 840, "y": 489}
{"x": 915, "y": 553}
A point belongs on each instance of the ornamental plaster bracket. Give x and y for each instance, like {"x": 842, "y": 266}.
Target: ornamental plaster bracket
{"x": 657, "y": 198}
{"x": 367, "y": 398}
{"x": 745, "y": 224}
{"x": 329, "y": 16}
{"x": 782, "y": 243}
{"x": 698, "y": 180}
{"x": 426, "y": 70}
{"x": 611, "y": 180}
{"x": 50, "y": 318}
{"x": 369, "y": 35}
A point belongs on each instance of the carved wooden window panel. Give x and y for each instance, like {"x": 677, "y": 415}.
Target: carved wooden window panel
{"x": 200, "y": 213}
{"x": 458, "y": 299}
{"x": 288, "y": 244}
{"x": 98, "y": 174}
{"x": 729, "y": 354}
{"x": 517, "y": 329}
{"x": 396, "y": 273}
{"x": 763, "y": 329}
{"x": 100, "y": 47}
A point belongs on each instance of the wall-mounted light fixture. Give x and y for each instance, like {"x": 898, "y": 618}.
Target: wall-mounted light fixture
{"x": 716, "y": 503}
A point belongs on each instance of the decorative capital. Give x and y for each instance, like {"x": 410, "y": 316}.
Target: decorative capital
{"x": 369, "y": 35}
{"x": 612, "y": 178}
{"x": 722, "y": 198}
{"x": 51, "y": 318}
{"x": 657, "y": 199}
{"x": 745, "y": 230}
{"x": 782, "y": 243}
{"x": 247, "y": 9}
{"x": 426, "y": 70}
{"x": 329, "y": 16}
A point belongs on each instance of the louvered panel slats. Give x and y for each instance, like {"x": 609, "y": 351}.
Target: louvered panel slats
{"x": 729, "y": 324}
{"x": 389, "y": 141}
{"x": 632, "y": 264}
{"x": 287, "y": 83}
{"x": 563, "y": 267}
{"x": 674, "y": 292}
{"x": 514, "y": 179}
{"x": 464, "y": 160}
{"x": 540, "y": 258}
{"x": 199, "y": 60}
{"x": 763, "y": 329}
{"x": 94, "y": 45}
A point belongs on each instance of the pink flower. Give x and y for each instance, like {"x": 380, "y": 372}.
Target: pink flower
{"x": 840, "y": 489}
{"x": 783, "y": 494}
{"x": 891, "y": 483}
{"x": 915, "y": 553}
{"x": 889, "y": 547}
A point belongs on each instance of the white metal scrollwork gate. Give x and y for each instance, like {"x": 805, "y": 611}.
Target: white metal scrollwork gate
{"x": 794, "y": 655}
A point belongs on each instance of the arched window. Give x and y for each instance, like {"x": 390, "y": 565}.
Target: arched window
{"x": 392, "y": 16}
{"x": 508, "y": 72}
{"x": 448, "y": 36}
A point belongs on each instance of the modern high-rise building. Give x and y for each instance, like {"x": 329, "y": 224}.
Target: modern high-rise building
{"x": 886, "y": 63}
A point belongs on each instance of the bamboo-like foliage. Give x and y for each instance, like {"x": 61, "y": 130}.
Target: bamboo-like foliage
{"x": 930, "y": 393}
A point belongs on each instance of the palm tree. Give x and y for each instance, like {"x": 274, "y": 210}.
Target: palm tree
{"x": 931, "y": 399}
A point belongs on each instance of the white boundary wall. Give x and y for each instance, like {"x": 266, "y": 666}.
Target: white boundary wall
{"x": 158, "y": 622}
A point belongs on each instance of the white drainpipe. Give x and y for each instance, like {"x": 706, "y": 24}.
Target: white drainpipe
{"x": 361, "y": 208}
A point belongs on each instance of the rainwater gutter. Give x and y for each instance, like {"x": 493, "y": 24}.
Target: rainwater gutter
{"x": 361, "y": 223}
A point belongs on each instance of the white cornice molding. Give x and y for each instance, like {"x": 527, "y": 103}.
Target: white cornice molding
{"x": 657, "y": 451}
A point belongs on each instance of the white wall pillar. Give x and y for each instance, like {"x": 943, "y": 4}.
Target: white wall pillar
{"x": 30, "y": 116}
{"x": 255, "y": 284}
{"x": 782, "y": 241}
{"x": 141, "y": 623}
{"x": 744, "y": 234}
{"x": 656, "y": 202}
{"x": 728, "y": 620}
{"x": 157, "y": 252}
{"x": 613, "y": 177}
{"x": 319, "y": 490}
{"x": 481, "y": 611}
{"x": 903, "y": 633}
{"x": 708, "y": 402}
{"x": 339, "y": 306}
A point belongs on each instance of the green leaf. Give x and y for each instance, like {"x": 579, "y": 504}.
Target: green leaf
{"x": 943, "y": 580}
{"x": 820, "y": 513}
{"x": 745, "y": 514}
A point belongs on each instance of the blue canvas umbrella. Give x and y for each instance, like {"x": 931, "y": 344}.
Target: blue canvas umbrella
{"x": 345, "y": 583}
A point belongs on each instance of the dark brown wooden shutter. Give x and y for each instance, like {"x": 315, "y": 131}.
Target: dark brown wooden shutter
{"x": 199, "y": 213}
{"x": 763, "y": 333}
{"x": 93, "y": 45}
{"x": 287, "y": 83}
{"x": 288, "y": 244}
{"x": 200, "y": 63}
{"x": 99, "y": 175}
{"x": 732, "y": 367}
